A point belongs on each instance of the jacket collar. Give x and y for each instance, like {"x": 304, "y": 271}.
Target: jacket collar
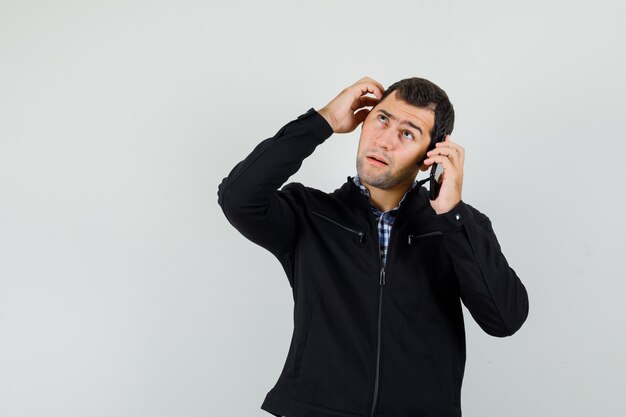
{"x": 366, "y": 193}
{"x": 415, "y": 200}
{"x": 416, "y": 209}
{"x": 349, "y": 191}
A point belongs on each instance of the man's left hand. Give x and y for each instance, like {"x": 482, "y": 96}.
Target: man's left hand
{"x": 451, "y": 156}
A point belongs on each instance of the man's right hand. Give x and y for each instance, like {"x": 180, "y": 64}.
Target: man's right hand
{"x": 340, "y": 112}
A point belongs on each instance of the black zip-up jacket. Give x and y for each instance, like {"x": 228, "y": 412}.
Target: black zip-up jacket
{"x": 367, "y": 341}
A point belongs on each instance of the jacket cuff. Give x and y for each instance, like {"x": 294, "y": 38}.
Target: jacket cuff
{"x": 316, "y": 123}
{"x": 459, "y": 214}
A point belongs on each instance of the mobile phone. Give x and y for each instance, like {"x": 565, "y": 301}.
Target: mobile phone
{"x": 435, "y": 175}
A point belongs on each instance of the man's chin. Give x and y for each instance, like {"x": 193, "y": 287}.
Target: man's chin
{"x": 375, "y": 180}
{"x": 378, "y": 177}
{"x": 383, "y": 179}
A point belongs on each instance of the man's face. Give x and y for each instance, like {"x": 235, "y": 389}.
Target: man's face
{"x": 391, "y": 131}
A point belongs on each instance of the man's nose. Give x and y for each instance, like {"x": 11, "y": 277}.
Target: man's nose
{"x": 385, "y": 139}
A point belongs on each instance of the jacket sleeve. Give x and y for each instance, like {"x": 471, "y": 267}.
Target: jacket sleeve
{"x": 249, "y": 195}
{"x": 489, "y": 287}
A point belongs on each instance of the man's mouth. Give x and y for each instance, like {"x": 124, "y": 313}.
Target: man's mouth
{"x": 376, "y": 160}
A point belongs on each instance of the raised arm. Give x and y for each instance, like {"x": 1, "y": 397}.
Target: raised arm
{"x": 249, "y": 195}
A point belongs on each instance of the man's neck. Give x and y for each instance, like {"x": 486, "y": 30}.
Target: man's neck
{"x": 385, "y": 200}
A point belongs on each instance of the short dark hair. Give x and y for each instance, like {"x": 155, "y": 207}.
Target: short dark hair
{"x": 420, "y": 92}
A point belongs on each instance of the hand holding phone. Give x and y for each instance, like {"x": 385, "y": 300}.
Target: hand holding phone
{"x": 435, "y": 175}
{"x": 435, "y": 184}
{"x": 449, "y": 156}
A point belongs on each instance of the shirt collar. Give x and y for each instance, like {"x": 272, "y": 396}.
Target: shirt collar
{"x": 366, "y": 193}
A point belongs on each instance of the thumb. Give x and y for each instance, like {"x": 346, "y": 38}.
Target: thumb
{"x": 360, "y": 116}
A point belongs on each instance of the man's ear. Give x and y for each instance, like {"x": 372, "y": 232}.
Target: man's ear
{"x": 423, "y": 167}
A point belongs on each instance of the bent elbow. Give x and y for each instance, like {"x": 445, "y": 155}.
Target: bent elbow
{"x": 514, "y": 320}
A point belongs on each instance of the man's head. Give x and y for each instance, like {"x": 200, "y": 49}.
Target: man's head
{"x": 399, "y": 130}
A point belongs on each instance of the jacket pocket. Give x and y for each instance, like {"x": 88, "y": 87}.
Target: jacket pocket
{"x": 303, "y": 336}
{"x": 360, "y": 235}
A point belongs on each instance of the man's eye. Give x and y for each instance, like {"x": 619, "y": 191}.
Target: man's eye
{"x": 411, "y": 134}
{"x": 385, "y": 117}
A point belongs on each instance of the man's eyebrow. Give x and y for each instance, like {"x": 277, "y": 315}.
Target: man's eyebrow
{"x": 402, "y": 122}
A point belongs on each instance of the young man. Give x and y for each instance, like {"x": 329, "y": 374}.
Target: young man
{"x": 378, "y": 270}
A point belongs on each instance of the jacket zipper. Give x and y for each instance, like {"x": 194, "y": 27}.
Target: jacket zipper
{"x": 435, "y": 233}
{"x": 361, "y": 234}
{"x": 381, "y": 283}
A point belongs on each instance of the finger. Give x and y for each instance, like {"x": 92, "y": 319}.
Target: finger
{"x": 443, "y": 160}
{"x": 446, "y": 142}
{"x": 448, "y": 152}
{"x": 380, "y": 87}
{"x": 365, "y": 101}
{"x": 449, "y": 143}
{"x": 451, "y": 146}
{"x": 456, "y": 153}
{"x": 360, "y": 116}
{"x": 367, "y": 86}
{"x": 371, "y": 80}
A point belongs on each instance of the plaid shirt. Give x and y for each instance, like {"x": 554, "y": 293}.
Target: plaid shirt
{"x": 385, "y": 219}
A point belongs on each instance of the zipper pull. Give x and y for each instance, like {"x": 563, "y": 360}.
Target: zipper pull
{"x": 382, "y": 276}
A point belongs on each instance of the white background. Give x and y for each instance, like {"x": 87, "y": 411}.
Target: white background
{"x": 124, "y": 291}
